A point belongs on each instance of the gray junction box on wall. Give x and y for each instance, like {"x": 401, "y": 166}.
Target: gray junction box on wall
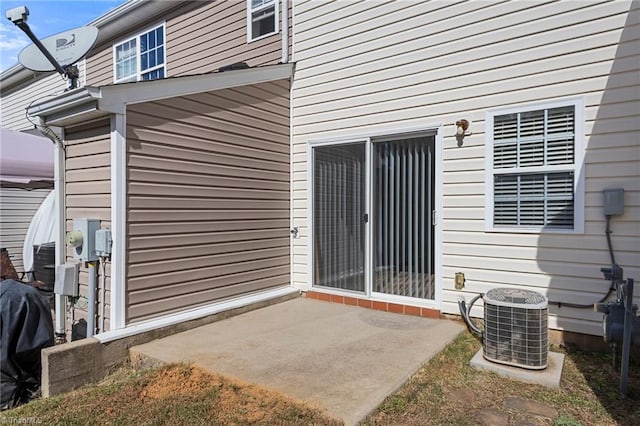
{"x": 67, "y": 279}
{"x": 613, "y": 201}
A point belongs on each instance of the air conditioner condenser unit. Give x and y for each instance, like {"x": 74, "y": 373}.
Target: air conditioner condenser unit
{"x": 515, "y": 328}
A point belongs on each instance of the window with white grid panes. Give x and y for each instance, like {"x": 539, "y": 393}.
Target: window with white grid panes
{"x": 141, "y": 57}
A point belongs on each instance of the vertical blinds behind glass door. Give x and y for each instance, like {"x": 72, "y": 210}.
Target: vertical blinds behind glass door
{"x": 338, "y": 216}
{"x": 403, "y": 228}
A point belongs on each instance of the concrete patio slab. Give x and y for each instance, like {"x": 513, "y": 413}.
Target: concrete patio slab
{"x": 341, "y": 358}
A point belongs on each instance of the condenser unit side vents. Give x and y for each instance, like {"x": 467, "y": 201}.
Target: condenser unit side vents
{"x": 516, "y": 330}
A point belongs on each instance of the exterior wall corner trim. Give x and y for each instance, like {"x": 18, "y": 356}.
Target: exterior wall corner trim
{"x": 118, "y": 220}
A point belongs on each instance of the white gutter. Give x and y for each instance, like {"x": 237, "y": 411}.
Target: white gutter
{"x": 285, "y": 31}
{"x": 64, "y": 101}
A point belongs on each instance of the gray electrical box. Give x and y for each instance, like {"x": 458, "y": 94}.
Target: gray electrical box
{"x": 67, "y": 279}
{"x": 103, "y": 242}
{"x": 82, "y": 239}
{"x": 613, "y": 201}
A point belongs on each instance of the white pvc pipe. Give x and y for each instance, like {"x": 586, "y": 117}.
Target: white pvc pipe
{"x": 91, "y": 297}
{"x": 103, "y": 291}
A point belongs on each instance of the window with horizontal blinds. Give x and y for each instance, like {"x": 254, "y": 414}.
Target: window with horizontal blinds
{"x": 534, "y": 168}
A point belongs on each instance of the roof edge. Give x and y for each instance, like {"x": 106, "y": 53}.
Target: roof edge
{"x": 18, "y": 73}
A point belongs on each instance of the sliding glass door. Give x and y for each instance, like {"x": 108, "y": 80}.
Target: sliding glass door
{"x": 403, "y": 202}
{"x": 339, "y": 208}
{"x": 398, "y": 258}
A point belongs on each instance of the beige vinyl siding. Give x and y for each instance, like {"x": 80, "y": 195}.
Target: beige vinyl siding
{"x": 368, "y": 67}
{"x": 17, "y": 207}
{"x": 37, "y": 88}
{"x": 88, "y": 194}
{"x": 16, "y": 100}
{"x": 208, "y": 198}
{"x": 198, "y": 40}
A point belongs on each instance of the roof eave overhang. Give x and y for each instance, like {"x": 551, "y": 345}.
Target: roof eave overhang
{"x": 93, "y": 102}
{"x": 68, "y": 108}
{"x": 116, "y": 97}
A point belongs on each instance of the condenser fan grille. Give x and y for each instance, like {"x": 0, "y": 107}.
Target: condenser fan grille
{"x": 516, "y": 332}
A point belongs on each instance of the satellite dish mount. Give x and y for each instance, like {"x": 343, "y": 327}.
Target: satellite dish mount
{"x": 56, "y": 53}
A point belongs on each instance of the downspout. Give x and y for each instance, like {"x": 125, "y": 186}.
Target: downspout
{"x": 285, "y": 31}
{"x": 60, "y": 253}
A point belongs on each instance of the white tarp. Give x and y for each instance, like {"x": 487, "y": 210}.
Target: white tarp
{"x": 41, "y": 230}
{"x": 25, "y": 157}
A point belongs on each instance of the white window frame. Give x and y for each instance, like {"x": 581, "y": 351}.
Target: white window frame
{"x": 139, "y": 72}
{"x": 251, "y": 10}
{"x": 577, "y": 167}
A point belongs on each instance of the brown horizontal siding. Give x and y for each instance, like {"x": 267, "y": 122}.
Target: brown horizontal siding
{"x": 208, "y": 198}
{"x": 88, "y": 193}
{"x": 181, "y": 230}
{"x": 215, "y": 248}
{"x": 174, "y": 297}
{"x": 196, "y": 178}
{"x": 215, "y": 35}
{"x": 200, "y": 37}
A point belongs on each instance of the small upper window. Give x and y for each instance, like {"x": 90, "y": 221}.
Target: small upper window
{"x": 141, "y": 57}
{"x": 261, "y": 18}
{"x": 534, "y": 173}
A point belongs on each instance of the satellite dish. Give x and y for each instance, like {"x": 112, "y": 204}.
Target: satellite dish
{"x": 66, "y": 47}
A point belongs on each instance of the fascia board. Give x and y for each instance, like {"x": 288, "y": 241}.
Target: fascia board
{"x": 115, "y": 97}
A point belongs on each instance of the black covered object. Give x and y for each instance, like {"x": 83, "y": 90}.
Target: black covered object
{"x": 26, "y": 327}
{"x": 44, "y": 258}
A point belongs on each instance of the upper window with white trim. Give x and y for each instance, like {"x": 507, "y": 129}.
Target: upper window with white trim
{"x": 262, "y": 18}
{"x": 141, "y": 57}
{"x": 534, "y": 167}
